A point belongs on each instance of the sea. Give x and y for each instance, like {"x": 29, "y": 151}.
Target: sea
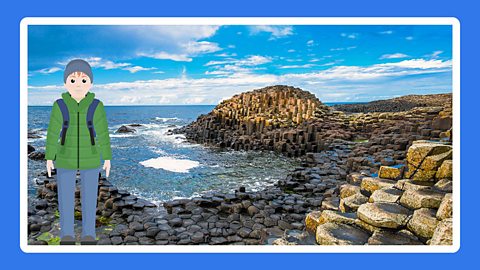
{"x": 157, "y": 166}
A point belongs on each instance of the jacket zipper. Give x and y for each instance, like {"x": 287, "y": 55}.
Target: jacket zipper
{"x": 78, "y": 136}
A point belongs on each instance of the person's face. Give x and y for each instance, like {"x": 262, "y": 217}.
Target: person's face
{"x": 78, "y": 84}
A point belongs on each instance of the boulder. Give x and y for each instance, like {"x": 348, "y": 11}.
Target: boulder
{"x": 370, "y": 184}
{"x": 340, "y": 234}
{"x": 402, "y": 237}
{"x": 443, "y": 234}
{"x": 445, "y": 209}
{"x": 351, "y": 204}
{"x": 125, "y": 129}
{"x": 407, "y": 184}
{"x": 444, "y": 185}
{"x": 384, "y": 215}
{"x": 388, "y": 194}
{"x": 348, "y": 190}
{"x": 445, "y": 170}
{"x": 422, "y": 198}
{"x": 428, "y": 169}
{"x": 312, "y": 220}
{"x": 423, "y": 222}
{"x": 392, "y": 173}
{"x": 316, "y": 218}
{"x": 30, "y": 149}
{"x": 421, "y": 149}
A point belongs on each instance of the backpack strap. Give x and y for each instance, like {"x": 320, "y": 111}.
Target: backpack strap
{"x": 90, "y": 113}
{"x": 66, "y": 119}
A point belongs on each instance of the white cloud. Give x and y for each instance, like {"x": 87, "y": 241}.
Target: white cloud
{"x": 291, "y": 51}
{"x": 435, "y": 54}
{"x": 200, "y": 47}
{"x": 231, "y": 66}
{"x": 388, "y": 32}
{"x": 310, "y": 43}
{"x": 97, "y": 62}
{"x": 48, "y": 70}
{"x": 393, "y": 56}
{"x": 135, "y": 69}
{"x": 338, "y": 83}
{"x": 409, "y": 38}
{"x": 168, "y": 56}
{"x": 275, "y": 31}
{"x": 297, "y": 66}
{"x": 343, "y": 49}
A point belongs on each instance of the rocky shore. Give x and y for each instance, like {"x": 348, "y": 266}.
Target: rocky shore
{"x": 367, "y": 178}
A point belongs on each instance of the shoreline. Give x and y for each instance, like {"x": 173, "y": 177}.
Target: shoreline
{"x": 278, "y": 214}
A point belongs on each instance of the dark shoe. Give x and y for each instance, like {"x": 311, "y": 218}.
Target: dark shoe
{"x": 67, "y": 240}
{"x": 88, "y": 240}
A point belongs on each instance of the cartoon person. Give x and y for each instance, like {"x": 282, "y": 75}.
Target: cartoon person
{"x": 77, "y": 140}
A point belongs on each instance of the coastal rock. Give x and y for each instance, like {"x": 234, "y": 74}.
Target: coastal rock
{"x": 424, "y": 158}
{"x": 340, "y": 234}
{"x": 370, "y": 184}
{"x": 445, "y": 171}
{"x": 407, "y": 184}
{"x": 125, "y": 129}
{"x": 30, "y": 149}
{"x": 351, "y": 204}
{"x": 384, "y": 215}
{"x": 422, "y": 198}
{"x": 390, "y": 172}
{"x": 423, "y": 222}
{"x": 388, "y": 194}
{"x": 445, "y": 209}
{"x": 402, "y": 237}
{"x": 443, "y": 234}
{"x": 348, "y": 190}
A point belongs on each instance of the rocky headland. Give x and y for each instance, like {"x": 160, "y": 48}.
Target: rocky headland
{"x": 370, "y": 177}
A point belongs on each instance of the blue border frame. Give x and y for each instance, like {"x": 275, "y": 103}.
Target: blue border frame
{"x": 12, "y": 13}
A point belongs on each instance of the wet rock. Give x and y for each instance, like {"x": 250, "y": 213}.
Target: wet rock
{"x": 443, "y": 234}
{"x": 125, "y": 129}
{"x": 384, "y": 215}
{"x": 30, "y": 149}
{"x": 340, "y": 234}
{"x": 423, "y": 222}
{"x": 422, "y": 198}
{"x": 446, "y": 207}
{"x": 36, "y": 156}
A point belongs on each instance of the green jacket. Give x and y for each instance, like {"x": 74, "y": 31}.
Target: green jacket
{"x": 77, "y": 151}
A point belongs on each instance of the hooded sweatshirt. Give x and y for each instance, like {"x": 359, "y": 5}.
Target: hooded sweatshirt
{"x": 78, "y": 151}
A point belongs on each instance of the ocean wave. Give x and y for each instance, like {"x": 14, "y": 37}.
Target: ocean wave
{"x": 166, "y": 119}
{"x": 171, "y": 164}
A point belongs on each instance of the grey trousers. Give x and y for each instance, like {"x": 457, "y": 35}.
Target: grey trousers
{"x": 66, "y": 200}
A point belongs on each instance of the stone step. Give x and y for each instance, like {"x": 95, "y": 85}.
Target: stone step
{"x": 384, "y": 215}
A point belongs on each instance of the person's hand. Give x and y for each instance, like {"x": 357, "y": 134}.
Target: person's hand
{"x": 106, "y": 167}
{"x": 50, "y": 167}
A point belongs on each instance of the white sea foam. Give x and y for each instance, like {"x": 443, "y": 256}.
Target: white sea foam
{"x": 171, "y": 164}
{"x": 166, "y": 119}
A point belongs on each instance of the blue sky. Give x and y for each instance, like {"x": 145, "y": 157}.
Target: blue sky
{"x": 144, "y": 65}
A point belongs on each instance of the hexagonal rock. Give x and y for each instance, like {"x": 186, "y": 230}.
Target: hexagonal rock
{"x": 355, "y": 178}
{"x": 421, "y": 149}
{"x": 444, "y": 185}
{"x": 443, "y": 234}
{"x": 392, "y": 173}
{"x": 316, "y": 218}
{"x": 384, "y": 215}
{"x": 445, "y": 170}
{"x": 312, "y": 220}
{"x": 348, "y": 190}
{"x": 388, "y": 194}
{"x": 407, "y": 184}
{"x": 370, "y": 184}
{"x": 423, "y": 222}
{"x": 445, "y": 208}
{"x": 351, "y": 204}
{"x": 402, "y": 237}
{"x": 340, "y": 234}
{"x": 423, "y": 198}
{"x": 429, "y": 167}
